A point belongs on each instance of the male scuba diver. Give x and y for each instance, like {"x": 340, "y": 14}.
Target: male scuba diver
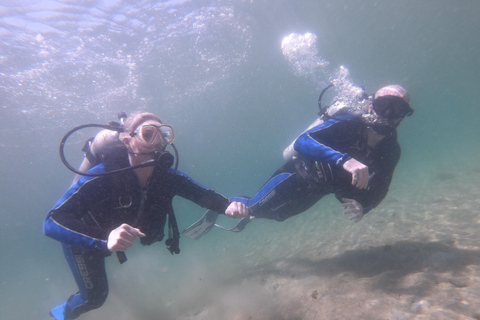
{"x": 350, "y": 151}
{"x": 126, "y": 195}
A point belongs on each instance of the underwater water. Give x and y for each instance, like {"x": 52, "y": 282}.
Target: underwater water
{"x": 238, "y": 81}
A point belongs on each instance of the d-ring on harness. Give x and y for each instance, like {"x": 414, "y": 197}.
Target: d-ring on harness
{"x": 126, "y": 205}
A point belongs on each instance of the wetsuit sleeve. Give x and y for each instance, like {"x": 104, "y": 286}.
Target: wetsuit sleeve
{"x": 189, "y": 189}
{"x": 384, "y": 165}
{"x": 65, "y": 221}
{"x": 318, "y": 143}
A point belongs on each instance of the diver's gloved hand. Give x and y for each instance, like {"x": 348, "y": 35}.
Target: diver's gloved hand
{"x": 353, "y": 206}
{"x": 359, "y": 171}
{"x": 237, "y": 210}
{"x": 123, "y": 237}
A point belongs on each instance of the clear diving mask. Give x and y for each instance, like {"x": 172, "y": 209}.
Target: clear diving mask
{"x": 148, "y": 133}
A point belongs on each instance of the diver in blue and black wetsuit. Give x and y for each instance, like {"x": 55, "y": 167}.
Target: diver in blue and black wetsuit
{"x": 102, "y": 214}
{"x": 350, "y": 154}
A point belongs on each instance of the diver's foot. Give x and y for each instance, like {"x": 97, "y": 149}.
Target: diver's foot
{"x": 57, "y": 313}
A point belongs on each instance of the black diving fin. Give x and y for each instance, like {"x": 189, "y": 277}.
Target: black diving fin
{"x": 207, "y": 222}
{"x": 202, "y": 226}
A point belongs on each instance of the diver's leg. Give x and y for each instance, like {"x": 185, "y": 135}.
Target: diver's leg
{"x": 88, "y": 268}
{"x": 286, "y": 194}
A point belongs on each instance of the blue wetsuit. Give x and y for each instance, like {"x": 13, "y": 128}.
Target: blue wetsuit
{"x": 86, "y": 214}
{"x": 318, "y": 171}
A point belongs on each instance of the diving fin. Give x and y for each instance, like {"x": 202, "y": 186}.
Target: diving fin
{"x": 239, "y": 226}
{"x": 202, "y": 226}
{"x": 207, "y": 222}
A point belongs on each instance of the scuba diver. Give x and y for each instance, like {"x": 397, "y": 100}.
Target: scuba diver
{"x": 350, "y": 151}
{"x": 126, "y": 194}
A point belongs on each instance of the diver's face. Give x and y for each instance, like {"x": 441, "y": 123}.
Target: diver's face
{"x": 392, "y": 122}
{"x": 382, "y": 125}
{"x": 147, "y": 138}
{"x": 391, "y": 110}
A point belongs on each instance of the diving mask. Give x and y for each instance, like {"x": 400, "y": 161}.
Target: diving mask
{"x": 148, "y": 133}
{"x": 391, "y": 107}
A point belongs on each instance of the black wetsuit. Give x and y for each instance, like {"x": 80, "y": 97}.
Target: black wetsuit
{"x": 318, "y": 170}
{"x": 86, "y": 214}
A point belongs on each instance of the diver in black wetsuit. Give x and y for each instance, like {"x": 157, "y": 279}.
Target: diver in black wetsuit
{"x": 102, "y": 214}
{"x": 352, "y": 155}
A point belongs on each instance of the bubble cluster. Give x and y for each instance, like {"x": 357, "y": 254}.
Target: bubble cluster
{"x": 60, "y": 60}
{"x": 301, "y": 52}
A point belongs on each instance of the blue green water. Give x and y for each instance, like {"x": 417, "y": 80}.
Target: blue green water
{"x": 216, "y": 72}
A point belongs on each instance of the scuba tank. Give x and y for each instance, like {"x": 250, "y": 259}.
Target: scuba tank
{"x": 324, "y": 114}
{"x": 289, "y": 153}
{"x": 104, "y": 147}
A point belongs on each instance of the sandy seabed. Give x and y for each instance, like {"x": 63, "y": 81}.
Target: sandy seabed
{"x": 416, "y": 256}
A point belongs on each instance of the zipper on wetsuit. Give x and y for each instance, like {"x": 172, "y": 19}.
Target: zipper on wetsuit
{"x": 122, "y": 257}
{"x": 141, "y": 207}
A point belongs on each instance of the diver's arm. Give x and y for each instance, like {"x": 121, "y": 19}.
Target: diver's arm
{"x": 379, "y": 181}
{"x": 187, "y": 188}
{"x": 367, "y": 199}
{"x": 73, "y": 233}
{"x": 377, "y": 190}
{"x": 289, "y": 153}
{"x": 64, "y": 221}
{"x": 316, "y": 143}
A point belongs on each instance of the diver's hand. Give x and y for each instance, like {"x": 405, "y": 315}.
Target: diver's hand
{"x": 122, "y": 238}
{"x": 237, "y": 210}
{"x": 359, "y": 171}
{"x": 353, "y": 206}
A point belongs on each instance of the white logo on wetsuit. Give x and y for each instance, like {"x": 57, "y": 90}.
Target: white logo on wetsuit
{"x": 82, "y": 267}
{"x": 267, "y": 197}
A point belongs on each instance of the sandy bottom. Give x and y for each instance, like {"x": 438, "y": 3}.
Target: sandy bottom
{"x": 415, "y": 257}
